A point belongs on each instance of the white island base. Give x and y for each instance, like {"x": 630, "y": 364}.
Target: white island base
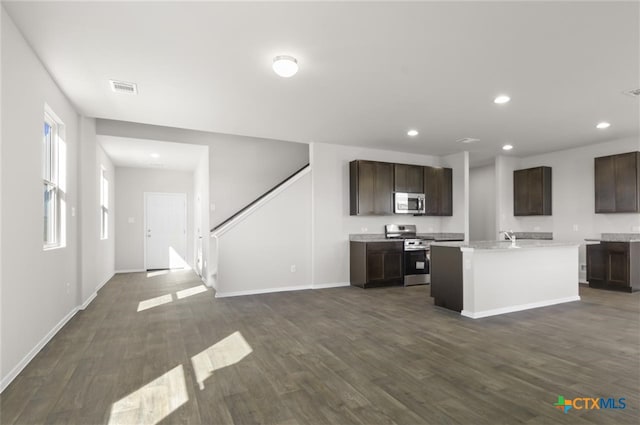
{"x": 498, "y": 278}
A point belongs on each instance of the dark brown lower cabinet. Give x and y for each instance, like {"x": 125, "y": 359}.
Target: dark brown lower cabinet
{"x": 376, "y": 264}
{"x": 614, "y": 265}
{"x": 446, "y": 277}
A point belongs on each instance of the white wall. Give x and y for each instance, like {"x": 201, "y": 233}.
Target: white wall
{"x": 482, "y": 203}
{"x": 96, "y": 256}
{"x": 130, "y": 186}
{"x": 240, "y": 168}
{"x": 573, "y": 197}
{"x": 258, "y": 253}
{"x": 40, "y": 288}
{"x": 331, "y": 220}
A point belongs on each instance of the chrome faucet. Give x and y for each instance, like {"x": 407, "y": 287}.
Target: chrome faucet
{"x": 510, "y": 235}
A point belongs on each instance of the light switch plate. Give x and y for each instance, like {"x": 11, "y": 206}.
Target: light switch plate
{"x": 131, "y": 220}
{"x": 575, "y": 227}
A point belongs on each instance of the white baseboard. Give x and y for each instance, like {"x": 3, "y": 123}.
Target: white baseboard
{"x": 88, "y": 301}
{"x": 105, "y": 281}
{"x": 95, "y": 294}
{"x": 511, "y": 309}
{"x": 130, "y": 271}
{"x": 330, "y": 285}
{"x": 281, "y": 289}
{"x": 6, "y": 380}
{"x": 261, "y": 291}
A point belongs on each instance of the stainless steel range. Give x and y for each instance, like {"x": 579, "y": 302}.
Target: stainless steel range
{"x": 416, "y": 253}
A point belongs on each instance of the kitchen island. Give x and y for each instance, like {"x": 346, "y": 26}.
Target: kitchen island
{"x": 487, "y": 278}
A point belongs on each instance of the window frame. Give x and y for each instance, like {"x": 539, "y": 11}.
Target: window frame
{"x": 104, "y": 204}
{"x": 53, "y": 219}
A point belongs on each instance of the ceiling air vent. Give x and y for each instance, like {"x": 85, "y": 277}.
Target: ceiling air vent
{"x": 467, "y": 140}
{"x": 632, "y": 92}
{"x": 123, "y": 87}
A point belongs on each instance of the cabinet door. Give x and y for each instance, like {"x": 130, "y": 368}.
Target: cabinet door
{"x": 366, "y": 187}
{"x": 596, "y": 265}
{"x": 626, "y": 182}
{"x": 617, "y": 263}
{"x": 605, "y": 188}
{"x": 408, "y": 178}
{"x": 383, "y": 192}
{"x": 521, "y": 192}
{"x": 534, "y": 184}
{"x": 371, "y": 188}
{"x": 393, "y": 265}
{"x": 431, "y": 191}
{"x": 375, "y": 266}
{"x": 446, "y": 193}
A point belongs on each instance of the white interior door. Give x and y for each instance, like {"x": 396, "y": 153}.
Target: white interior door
{"x": 166, "y": 230}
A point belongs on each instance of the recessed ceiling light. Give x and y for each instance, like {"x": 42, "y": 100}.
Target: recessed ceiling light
{"x": 285, "y": 66}
{"x": 155, "y": 155}
{"x": 501, "y": 99}
{"x": 412, "y": 133}
{"x": 507, "y": 147}
{"x": 602, "y": 125}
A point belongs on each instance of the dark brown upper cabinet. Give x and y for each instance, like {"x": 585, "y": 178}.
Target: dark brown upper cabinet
{"x": 371, "y": 188}
{"x": 408, "y": 178}
{"x": 438, "y": 191}
{"x": 532, "y": 191}
{"x": 617, "y": 183}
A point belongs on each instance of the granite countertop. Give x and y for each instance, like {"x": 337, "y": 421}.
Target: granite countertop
{"x": 378, "y": 237}
{"x": 505, "y": 245}
{"x": 616, "y": 237}
{"x": 534, "y": 235}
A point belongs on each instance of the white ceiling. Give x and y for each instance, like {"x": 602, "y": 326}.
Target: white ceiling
{"x": 368, "y": 71}
{"x": 126, "y": 152}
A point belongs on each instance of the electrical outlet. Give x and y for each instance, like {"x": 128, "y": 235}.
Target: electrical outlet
{"x": 430, "y": 229}
{"x": 536, "y": 229}
{"x": 293, "y": 268}
{"x": 131, "y": 220}
{"x": 212, "y": 207}
{"x": 68, "y": 287}
{"x": 575, "y": 227}
{"x": 635, "y": 228}
{"x": 73, "y": 211}
{"x": 364, "y": 229}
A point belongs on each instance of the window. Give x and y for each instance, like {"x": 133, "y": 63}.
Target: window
{"x": 53, "y": 177}
{"x": 104, "y": 204}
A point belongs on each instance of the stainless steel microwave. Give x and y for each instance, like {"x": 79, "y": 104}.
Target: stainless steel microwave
{"x": 408, "y": 203}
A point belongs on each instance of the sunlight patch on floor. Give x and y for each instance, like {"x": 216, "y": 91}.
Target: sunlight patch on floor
{"x": 153, "y": 402}
{"x": 223, "y": 353}
{"x": 154, "y": 302}
{"x": 191, "y": 291}
{"x": 157, "y": 273}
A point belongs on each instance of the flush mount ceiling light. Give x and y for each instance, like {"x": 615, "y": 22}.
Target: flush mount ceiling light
{"x": 501, "y": 99}
{"x": 285, "y": 66}
{"x": 412, "y": 133}
{"x": 467, "y": 140}
{"x": 155, "y": 155}
{"x": 507, "y": 147}
{"x": 602, "y": 125}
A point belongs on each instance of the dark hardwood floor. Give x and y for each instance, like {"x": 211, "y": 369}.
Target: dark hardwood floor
{"x": 332, "y": 356}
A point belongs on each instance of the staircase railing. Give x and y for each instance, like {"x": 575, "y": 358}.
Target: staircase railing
{"x": 257, "y": 200}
